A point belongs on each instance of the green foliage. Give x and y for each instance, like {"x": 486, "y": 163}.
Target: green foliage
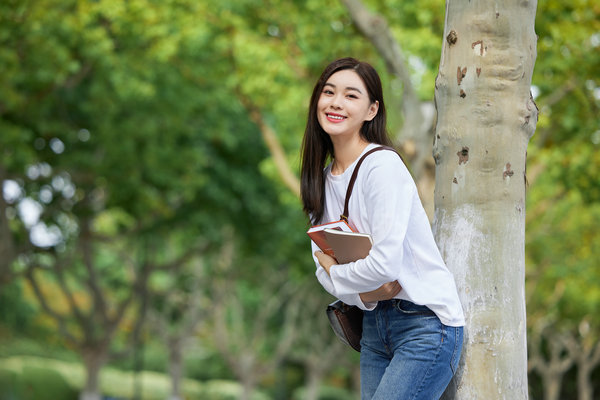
{"x": 132, "y": 119}
{"x": 39, "y": 379}
{"x": 8, "y": 383}
{"x": 326, "y": 393}
{"x": 34, "y": 383}
{"x": 562, "y": 235}
{"x": 15, "y": 312}
{"x": 566, "y": 70}
{"x": 226, "y": 390}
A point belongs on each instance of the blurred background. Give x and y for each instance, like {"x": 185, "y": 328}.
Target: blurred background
{"x": 152, "y": 244}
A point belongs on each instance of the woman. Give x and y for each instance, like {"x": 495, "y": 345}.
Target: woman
{"x": 413, "y": 321}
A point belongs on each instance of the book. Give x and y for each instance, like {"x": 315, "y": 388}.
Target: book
{"x": 348, "y": 246}
{"x": 317, "y": 234}
{"x": 338, "y": 240}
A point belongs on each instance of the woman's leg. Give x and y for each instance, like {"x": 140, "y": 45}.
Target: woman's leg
{"x": 374, "y": 357}
{"x": 425, "y": 354}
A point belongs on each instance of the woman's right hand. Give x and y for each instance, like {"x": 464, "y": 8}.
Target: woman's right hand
{"x": 386, "y": 291}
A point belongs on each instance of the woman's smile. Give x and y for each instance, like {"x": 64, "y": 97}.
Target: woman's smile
{"x": 335, "y": 118}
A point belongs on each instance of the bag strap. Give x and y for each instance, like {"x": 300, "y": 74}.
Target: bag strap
{"x": 344, "y": 216}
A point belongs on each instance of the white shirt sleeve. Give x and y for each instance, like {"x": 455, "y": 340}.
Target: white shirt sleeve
{"x": 388, "y": 190}
{"x": 324, "y": 279}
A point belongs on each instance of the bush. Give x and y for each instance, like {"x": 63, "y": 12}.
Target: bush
{"x": 35, "y": 383}
{"x": 8, "y": 383}
{"x": 226, "y": 390}
{"x": 326, "y": 393}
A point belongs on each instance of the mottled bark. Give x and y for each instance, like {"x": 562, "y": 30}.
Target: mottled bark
{"x": 486, "y": 116}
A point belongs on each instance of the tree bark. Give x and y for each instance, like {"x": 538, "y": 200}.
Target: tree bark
{"x": 486, "y": 116}
{"x": 586, "y": 350}
{"x": 175, "y": 368}
{"x": 559, "y": 358}
{"x": 93, "y": 360}
{"x": 7, "y": 244}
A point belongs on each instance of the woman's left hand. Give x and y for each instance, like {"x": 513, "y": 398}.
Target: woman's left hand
{"x": 325, "y": 260}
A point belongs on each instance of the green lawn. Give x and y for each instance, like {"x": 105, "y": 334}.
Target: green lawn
{"x": 113, "y": 382}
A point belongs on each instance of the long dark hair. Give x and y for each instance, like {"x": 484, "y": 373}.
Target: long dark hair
{"x": 317, "y": 147}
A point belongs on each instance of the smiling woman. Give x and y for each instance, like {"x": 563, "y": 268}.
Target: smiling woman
{"x": 343, "y": 106}
{"x": 403, "y": 282}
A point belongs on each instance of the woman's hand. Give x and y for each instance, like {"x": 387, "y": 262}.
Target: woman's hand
{"x": 325, "y": 260}
{"x": 386, "y": 291}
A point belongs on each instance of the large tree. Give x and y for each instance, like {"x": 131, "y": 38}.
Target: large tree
{"x": 486, "y": 116}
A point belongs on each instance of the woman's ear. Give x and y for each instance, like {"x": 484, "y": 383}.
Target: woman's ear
{"x": 373, "y": 108}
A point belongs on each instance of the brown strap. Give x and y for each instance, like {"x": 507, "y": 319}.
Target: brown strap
{"x": 344, "y": 216}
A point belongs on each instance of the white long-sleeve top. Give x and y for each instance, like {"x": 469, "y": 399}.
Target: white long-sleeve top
{"x": 385, "y": 203}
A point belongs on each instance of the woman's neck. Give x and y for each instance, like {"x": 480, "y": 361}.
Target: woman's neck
{"x": 345, "y": 153}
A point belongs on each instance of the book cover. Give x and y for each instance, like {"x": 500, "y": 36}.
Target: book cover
{"x": 348, "y": 246}
{"x": 317, "y": 234}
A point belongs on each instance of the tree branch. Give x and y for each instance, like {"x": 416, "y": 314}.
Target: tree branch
{"x": 375, "y": 28}
{"x": 59, "y": 268}
{"x": 92, "y": 279}
{"x": 30, "y": 275}
{"x": 270, "y": 137}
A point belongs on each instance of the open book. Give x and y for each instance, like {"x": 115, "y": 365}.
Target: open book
{"x": 338, "y": 240}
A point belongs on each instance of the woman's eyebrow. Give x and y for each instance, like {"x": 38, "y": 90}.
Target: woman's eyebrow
{"x": 347, "y": 87}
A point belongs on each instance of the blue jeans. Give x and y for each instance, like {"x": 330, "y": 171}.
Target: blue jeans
{"x": 407, "y": 353}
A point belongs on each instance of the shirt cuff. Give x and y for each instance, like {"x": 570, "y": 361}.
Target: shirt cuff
{"x": 355, "y": 300}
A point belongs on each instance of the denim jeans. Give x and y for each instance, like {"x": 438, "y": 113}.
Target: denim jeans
{"x": 407, "y": 353}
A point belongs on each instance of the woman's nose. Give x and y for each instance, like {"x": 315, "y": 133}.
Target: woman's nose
{"x": 336, "y": 102}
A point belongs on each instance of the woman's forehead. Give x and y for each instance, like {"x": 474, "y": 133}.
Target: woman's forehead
{"x": 347, "y": 78}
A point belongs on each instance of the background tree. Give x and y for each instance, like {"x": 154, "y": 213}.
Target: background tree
{"x": 177, "y": 307}
{"x": 316, "y": 347}
{"x": 153, "y": 119}
{"x": 253, "y": 319}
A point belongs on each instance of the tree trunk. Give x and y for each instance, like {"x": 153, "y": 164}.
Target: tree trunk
{"x": 93, "y": 360}
{"x": 175, "y": 368}
{"x": 7, "y": 245}
{"x": 585, "y": 389}
{"x": 313, "y": 381}
{"x": 486, "y": 117}
{"x": 248, "y": 386}
{"x": 587, "y": 354}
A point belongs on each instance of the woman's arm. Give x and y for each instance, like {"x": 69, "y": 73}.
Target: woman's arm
{"x": 386, "y": 291}
{"x": 388, "y": 193}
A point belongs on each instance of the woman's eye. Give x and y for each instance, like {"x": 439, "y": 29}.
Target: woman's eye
{"x": 327, "y": 91}
{"x": 353, "y": 96}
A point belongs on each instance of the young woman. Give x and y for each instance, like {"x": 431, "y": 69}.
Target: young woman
{"x": 412, "y": 325}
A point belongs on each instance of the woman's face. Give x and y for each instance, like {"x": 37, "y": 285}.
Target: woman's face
{"x": 344, "y": 105}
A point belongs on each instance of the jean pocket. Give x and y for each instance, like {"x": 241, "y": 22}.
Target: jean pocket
{"x": 409, "y": 308}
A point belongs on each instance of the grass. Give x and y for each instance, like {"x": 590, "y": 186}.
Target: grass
{"x": 121, "y": 384}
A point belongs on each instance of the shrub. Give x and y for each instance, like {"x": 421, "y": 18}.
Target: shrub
{"x": 36, "y": 383}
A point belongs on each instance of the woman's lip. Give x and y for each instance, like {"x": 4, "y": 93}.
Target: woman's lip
{"x": 335, "y": 118}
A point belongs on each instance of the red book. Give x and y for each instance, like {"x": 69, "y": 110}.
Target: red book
{"x": 317, "y": 234}
{"x": 338, "y": 240}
